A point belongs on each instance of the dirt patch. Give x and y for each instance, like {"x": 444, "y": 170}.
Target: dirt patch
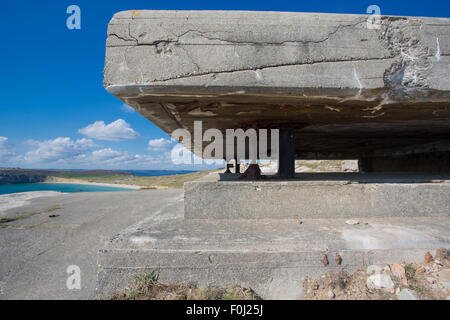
{"x": 341, "y": 286}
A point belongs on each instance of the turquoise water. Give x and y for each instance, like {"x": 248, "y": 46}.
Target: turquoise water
{"x": 61, "y": 187}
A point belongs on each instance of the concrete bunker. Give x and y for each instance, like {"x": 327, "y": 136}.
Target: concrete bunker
{"x": 335, "y": 89}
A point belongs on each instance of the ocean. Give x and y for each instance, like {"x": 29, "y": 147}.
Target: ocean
{"x": 61, "y": 187}
{"x": 73, "y": 187}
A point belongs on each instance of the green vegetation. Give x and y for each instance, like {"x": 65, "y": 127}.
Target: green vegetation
{"x": 147, "y": 287}
{"x": 17, "y": 175}
{"x": 159, "y": 182}
{"x": 26, "y": 215}
{"x": 410, "y": 272}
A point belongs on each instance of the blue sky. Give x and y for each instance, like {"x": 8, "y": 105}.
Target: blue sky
{"x": 54, "y": 111}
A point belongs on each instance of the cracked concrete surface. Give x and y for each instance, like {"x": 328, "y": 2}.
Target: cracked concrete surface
{"x": 370, "y": 91}
{"x": 34, "y": 256}
{"x": 271, "y": 256}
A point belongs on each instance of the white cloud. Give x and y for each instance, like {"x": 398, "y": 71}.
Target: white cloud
{"x": 67, "y": 153}
{"x": 61, "y": 148}
{"x": 6, "y": 151}
{"x": 159, "y": 144}
{"x": 105, "y": 154}
{"x": 118, "y": 130}
{"x": 110, "y": 158}
{"x": 126, "y": 108}
{"x": 87, "y": 143}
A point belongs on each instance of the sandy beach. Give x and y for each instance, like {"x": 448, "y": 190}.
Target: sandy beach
{"x": 74, "y": 181}
{"x": 15, "y": 200}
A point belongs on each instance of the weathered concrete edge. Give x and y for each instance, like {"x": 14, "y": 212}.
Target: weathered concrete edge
{"x": 282, "y": 279}
{"x": 316, "y": 200}
{"x": 147, "y": 14}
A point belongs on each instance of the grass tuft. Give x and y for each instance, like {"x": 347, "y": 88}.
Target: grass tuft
{"x": 147, "y": 287}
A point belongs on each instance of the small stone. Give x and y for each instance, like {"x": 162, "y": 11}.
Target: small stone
{"x": 373, "y": 269}
{"x": 352, "y": 222}
{"x": 299, "y": 221}
{"x": 406, "y": 294}
{"x": 420, "y": 271}
{"x": 428, "y": 257}
{"x": 399, "y": 272}
{"x": 437, "y": 262}
{"x": 442, "y": 254}
{"x": 386, "y": 269}
{"x": 331, "y": 294}
{"x": 338, "y": 259}
{"x": 380, "y": 281}
{"x": 325, "y": 260}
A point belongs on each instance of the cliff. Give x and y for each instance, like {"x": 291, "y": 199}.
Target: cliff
{"x": 15, "y": 176}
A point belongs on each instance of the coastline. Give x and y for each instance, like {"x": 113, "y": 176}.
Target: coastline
{"x": 76, "y": 181}
{"x": 15, "y": 200}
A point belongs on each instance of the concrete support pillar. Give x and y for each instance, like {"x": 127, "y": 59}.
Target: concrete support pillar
{"x": 238, "y": 166}
{"x": 286, "y": 154}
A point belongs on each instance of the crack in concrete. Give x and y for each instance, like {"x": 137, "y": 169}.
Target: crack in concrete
{"x": 256, "y": 68}
{"x": 203, "y": 35}
{"x": 293, "y": 43}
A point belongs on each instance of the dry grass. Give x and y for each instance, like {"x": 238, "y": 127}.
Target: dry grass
{"x": 147, "y": 287}
{"x": 26, "y": 215}
{"x": 158, "y": 182}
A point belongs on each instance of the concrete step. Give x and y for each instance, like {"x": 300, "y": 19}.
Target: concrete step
{"x": 318, "y": 196}
{"x": 273, "y": 256}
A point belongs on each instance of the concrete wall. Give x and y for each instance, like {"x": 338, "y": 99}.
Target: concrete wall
{"x": 313, "y": 199}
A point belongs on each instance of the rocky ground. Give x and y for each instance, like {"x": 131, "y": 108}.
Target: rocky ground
{"x": 405, "y": 281}
{"x": 429, "y": 280}
{"x": 310, "y": 166}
